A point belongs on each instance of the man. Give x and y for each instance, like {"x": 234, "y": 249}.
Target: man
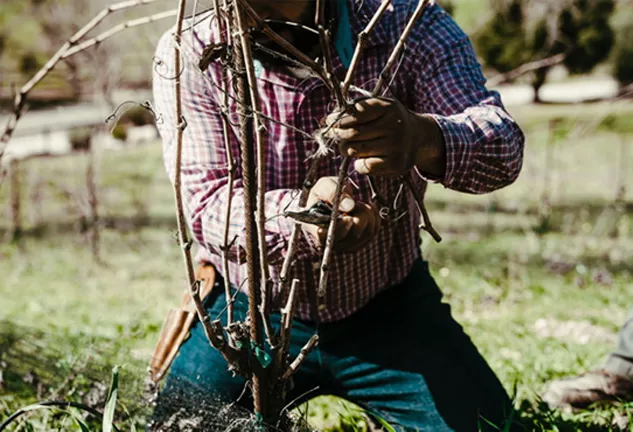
{"x": 387, "y": 342}
{"x": 612, "y": 382}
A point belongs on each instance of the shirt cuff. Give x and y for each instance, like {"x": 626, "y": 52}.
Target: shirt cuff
{"x": 457, "y": 150}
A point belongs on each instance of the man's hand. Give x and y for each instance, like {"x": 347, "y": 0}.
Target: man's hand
{"x": 358, "y": 223}
{"x": 387, "y": 139}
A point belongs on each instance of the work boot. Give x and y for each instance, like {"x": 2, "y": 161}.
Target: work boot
{"x": 589, "y": 388}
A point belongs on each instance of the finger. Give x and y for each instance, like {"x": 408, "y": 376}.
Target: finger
{"x": 373, "y": 165}
{"x": 365, "y": 111}
{"x": 341, "y": 231}
{"x": 361, "y": 133}
{"x": 359, "y": 227}
{"x": 325, "y": 189}
{"x": 379, "y": 147}
{"x": 388, "y": 125}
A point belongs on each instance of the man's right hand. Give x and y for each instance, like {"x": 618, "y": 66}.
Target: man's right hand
{"x": 358, "y": 222}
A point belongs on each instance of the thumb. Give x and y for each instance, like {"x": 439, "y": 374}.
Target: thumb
{"x": 325, "y": 189}
{"x": 347, "y": 203}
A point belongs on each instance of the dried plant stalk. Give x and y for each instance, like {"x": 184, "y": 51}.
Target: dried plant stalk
{"x": 303, "y": 354}
{"x": 292, "y": 241}
{"x": 183, "y": 236}
{"x": 419, "y": 202}
{"x": 287, "y": 315}
{"x": 265, "y": 28}
{"x": 216, "y": 339}
{"x": 329, "y": 242}
{"x": 118, "y": 29}
{"x": 360, "y": 45}
{"x": 258, "y": 381}
{"x": 260, "y": 215}
{"x": 231, "y": 166}
{"x": 399, "y": 46}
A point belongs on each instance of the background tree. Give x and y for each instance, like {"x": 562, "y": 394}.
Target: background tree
{"x": 623, "y": 58}
{"x": 585, "y": 34}
{"x": 503, "y": 42}
{"x": 521, "y": 31}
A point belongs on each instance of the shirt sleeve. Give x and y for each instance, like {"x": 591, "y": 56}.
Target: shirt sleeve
{"x": 484, "y": 145}
{"x": 204, "y": 167}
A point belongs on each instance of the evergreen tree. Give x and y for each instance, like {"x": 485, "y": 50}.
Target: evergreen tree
{"x": 585, "y": 34}
{"x": 623, "y": 61}
{"x": 580, "y": 29}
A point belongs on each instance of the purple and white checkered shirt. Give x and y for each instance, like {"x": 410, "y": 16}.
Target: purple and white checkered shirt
{"x": 439, "y": 75}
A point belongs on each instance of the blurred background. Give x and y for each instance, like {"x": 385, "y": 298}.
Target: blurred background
{"x": 539, "y": 273}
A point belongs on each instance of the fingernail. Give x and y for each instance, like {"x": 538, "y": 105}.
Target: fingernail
{"x": 347, "y": 204}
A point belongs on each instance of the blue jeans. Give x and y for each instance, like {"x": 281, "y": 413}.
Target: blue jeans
{"x": 402, "y": 357}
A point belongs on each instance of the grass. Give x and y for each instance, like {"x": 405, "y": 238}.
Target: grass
{"x": 542, "y": 298}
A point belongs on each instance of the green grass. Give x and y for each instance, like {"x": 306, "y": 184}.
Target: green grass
{"x": 539, "y": 303}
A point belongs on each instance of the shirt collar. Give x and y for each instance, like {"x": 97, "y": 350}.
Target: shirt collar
{"x": 352, "y": 18}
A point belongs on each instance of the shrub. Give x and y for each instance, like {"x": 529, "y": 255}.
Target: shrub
{"x": 138, "y": 116}
{"x": 81, "y": 139}
{"x": 120, "y": 132}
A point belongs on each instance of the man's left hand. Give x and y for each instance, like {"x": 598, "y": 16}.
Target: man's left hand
{"x": 387, "y": 139}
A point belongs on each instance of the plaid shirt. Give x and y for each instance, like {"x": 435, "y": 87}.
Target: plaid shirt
{"x": 439, "y": 75}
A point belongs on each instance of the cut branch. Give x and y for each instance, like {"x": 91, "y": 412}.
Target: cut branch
{"x": 118, "y": 29}
{"x": 329, "y": 240}
{"x": 301, "y": 357}
{"x": 260, "y": 215}
{"x": 232, "y": 169}
{"x": 259, "y": 382}
{"x": 399, "y": 46}
{"x": 419, "y": 202}
{"x": 527, "y": 68}
{"x": 360, "y": 45}
{"x": 419, "y": 198}
{"x": 283, "y": 43}
{"x": 287, "y": 315}
{"x": 215, "y": 338}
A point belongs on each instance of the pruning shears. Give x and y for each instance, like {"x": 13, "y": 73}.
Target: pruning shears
{"x": 319, "y": 214}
